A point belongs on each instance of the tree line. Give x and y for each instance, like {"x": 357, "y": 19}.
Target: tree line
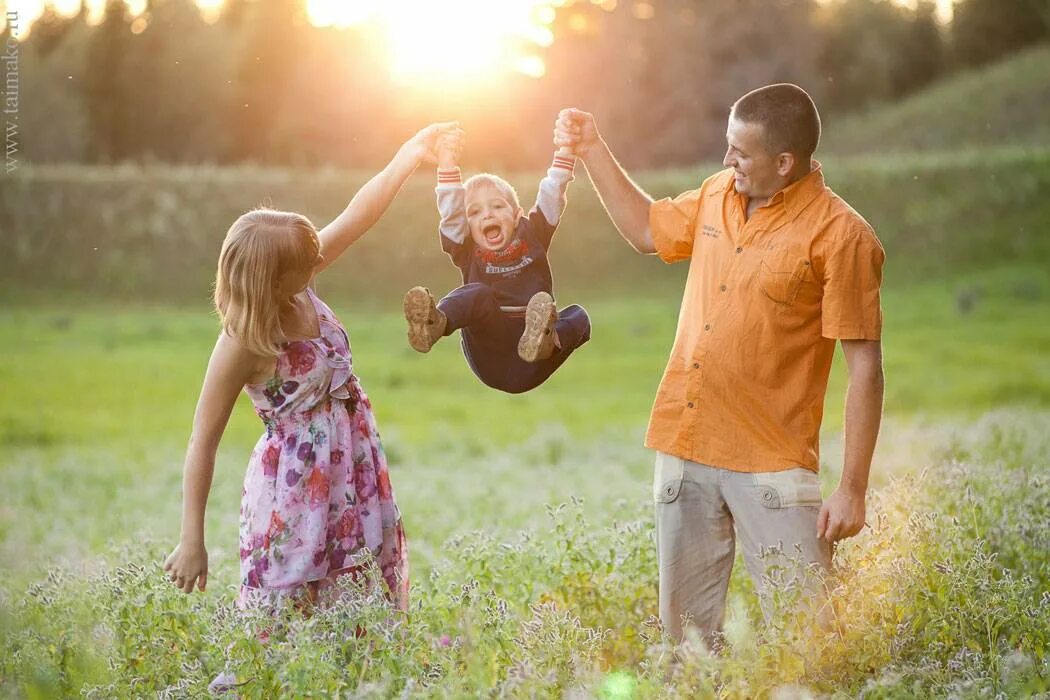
{"x": 262, "y": 85}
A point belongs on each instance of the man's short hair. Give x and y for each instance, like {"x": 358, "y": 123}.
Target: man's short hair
{"x": 788, "y": 117}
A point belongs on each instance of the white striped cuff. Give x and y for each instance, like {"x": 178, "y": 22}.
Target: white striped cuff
{"x": 449, "y": 176}
{"x": 564, "y": 162}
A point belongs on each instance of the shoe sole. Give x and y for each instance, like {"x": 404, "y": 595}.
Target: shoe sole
{"x": 537, "y": 342}
{"x": 421, "y": 313}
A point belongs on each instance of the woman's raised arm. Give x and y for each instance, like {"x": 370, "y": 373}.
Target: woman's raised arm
{"x": 368, "y": 205}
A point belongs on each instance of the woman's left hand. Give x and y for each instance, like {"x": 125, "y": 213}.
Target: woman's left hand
{"x": 423, "y": 146}
{"x": 188, "y": 565}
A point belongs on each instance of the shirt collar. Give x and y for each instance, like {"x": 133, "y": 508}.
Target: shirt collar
{"x": 797, "y": 196}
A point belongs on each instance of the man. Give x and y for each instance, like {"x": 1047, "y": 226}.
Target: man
{"x": 779, "y": 269}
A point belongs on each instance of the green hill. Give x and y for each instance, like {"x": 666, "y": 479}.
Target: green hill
{"x": 953, "y": 179}
{"x": 142, "y": 232}
{"x": 1004, "y": 104}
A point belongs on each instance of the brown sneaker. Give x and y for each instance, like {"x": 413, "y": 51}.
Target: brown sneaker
{"x": 426, "y": 324}
{"x": 537, "y": 342}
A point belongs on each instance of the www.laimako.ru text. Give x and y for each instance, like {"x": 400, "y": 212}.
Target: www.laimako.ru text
{"x": 11, "y": 93}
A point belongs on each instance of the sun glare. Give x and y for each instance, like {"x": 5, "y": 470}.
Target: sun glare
{"x": 331, "y": 13}
{"x": 454, "y": 41}
{"x": 430, "y": 43}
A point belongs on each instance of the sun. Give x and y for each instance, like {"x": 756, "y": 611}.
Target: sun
{"x": 453, "y": 41}
{"x": 429, "y": 44}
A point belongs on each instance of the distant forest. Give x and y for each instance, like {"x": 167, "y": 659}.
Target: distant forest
{"x": 262, "y": 85}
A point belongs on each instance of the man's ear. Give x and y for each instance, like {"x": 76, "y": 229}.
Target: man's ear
{"x": 785, "y": 164}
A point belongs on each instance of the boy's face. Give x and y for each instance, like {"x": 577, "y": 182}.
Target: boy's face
{"x": 492, "y": 218}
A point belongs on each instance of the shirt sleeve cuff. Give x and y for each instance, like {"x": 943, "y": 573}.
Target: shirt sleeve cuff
{"x": 872, "y": 331}
{"x": 449, "y": 176}
{"x": 564, "y": 162}
{"x": 668, "y": 246}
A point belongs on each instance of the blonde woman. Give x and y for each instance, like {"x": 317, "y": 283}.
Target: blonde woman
{"x": 317, "y": 499}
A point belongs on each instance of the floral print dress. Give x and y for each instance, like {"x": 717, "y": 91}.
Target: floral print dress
{"x": 317, "y": 493}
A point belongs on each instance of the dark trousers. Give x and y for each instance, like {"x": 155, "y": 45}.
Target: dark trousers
{"x": 490, "y": 338}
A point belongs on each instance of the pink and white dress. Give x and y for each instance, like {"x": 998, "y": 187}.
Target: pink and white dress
{"x": 317, "y": 495}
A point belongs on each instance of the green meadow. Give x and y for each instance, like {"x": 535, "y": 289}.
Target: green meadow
{"x": 98, "y": 406}
{"x": 528, "y": 517}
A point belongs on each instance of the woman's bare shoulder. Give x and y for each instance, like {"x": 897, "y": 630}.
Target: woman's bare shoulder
{"x": 232, "y": 354}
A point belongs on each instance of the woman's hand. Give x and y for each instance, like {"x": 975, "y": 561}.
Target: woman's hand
{"x": 188, "y": 565}
{"x": 368, "y": 205}
{"x": 449, "y": 149}
{"x": 423, "y": 146}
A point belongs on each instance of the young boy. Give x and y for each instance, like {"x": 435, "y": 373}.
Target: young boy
{"x": 513, "y": 336}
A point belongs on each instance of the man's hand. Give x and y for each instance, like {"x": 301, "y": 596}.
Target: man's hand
{"x": 423, "y": 146}
{"x": 841, "y": 516}
{"x": 576, "y": 130}
{"x": 188, "y": 565}
{"x": 450, "y": 149}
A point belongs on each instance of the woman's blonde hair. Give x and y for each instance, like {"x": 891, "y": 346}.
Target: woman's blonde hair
{"x": 260, "y": 246}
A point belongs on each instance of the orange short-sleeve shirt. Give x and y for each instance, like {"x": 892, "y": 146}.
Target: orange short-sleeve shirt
{"x": 764, "y": 302}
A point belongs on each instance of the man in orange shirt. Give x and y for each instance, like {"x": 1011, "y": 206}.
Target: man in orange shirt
{"x": 779, "y": 269}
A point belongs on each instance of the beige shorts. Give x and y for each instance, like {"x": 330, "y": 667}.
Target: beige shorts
{"x": 700, "y": 513}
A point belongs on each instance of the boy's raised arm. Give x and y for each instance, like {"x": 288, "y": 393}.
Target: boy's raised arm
{"x": 551, "y": 199}
{"x": 451, "y": 200}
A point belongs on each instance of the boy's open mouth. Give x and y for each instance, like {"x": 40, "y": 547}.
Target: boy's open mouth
{"x": 492, "y": 233}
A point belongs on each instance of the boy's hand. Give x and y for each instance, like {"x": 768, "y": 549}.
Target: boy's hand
{"x": 423, "y": 146}
{"x": 576, "y": 130}
{"x": 449, "y": 149}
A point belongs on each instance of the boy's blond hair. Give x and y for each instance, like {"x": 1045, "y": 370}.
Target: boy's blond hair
{"x": 504, "y": 187}
{"x": 260, "y": 246}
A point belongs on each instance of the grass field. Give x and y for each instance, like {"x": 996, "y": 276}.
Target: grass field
{"x": 945, "y": 596}
{"x": 958, "y": 345}
{"x": 105, "y": 396}
{"x": 529, "y": 517}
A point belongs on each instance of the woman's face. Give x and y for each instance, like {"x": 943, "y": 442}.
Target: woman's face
{"x": 292, "y": 282}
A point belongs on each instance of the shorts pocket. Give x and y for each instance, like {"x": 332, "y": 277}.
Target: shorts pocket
{"x": 667, "y": 477}
{"x": 787, "y": 489}
{"x": 781, "y": 278}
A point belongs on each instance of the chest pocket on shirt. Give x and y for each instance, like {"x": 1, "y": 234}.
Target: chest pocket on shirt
{"x": 782, "y": 275}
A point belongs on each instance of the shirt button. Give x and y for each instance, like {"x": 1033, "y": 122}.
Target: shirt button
{"x": 739, "y": 250}
{"x": 696, "y": 365}
{"x": 707, "y": 326}
{"x": 690, "y": 404}
{"x": 723, "y": 287}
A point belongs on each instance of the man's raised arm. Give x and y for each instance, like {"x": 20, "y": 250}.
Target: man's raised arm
{"x": 626, "y": 203}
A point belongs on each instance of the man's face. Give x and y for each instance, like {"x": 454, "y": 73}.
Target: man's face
{"x": 755, "y": 168}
